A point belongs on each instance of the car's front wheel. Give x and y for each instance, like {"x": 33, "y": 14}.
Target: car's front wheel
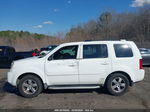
{"x": 30, "y": 86}
{"x": 117, "y": 84}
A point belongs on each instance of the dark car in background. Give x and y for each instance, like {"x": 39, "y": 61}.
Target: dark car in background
{"x": 49, "y": 48}
{"x": 8, "y": 54}
{"x": 146, "y": 56}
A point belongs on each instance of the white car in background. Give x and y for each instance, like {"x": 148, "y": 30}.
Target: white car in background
{"x": 80, "y": 65}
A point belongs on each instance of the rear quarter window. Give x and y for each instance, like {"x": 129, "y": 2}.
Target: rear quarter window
{"x": 123, "y": 50}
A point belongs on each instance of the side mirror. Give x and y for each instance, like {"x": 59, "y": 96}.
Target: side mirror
{"x": 50, "y": 58}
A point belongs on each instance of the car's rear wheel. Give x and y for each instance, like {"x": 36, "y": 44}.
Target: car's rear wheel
{"x": 117, "y": 84}
{"x": 30, "y": 86}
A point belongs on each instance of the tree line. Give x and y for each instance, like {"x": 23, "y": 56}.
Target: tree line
{"x": 24, "y": 40}
{"x": 110, "y": 25}
{"x": 133, "y": 26}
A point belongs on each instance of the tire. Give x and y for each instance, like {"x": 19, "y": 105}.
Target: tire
{"x": 30, "y": 86}
{"x": 117, "y": 84}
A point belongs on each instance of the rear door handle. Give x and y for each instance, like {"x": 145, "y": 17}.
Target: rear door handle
{"x": 72, "y": 65}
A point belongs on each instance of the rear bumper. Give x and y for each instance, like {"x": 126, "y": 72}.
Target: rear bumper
{"x": 11, "y": 78}
{"x": 140, "y": 76}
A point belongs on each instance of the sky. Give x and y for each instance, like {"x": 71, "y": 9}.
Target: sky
{"x": 52, "y": 16}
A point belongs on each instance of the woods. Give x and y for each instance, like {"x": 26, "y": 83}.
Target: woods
{"x": 109, "y": 25}
{"x": 133, "y": 26}
{"x": 23, "y": 40}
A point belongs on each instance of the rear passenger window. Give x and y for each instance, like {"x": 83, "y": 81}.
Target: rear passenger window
{"x": 123, "y": 50}
{"x": 95, "y": 51}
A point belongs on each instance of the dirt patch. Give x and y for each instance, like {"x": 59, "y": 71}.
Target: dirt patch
{"x": 2, "y": 83}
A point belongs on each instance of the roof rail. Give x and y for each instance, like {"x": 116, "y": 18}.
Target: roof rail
{"x": 87, "y": 40}
{"x": 123, "y": 40}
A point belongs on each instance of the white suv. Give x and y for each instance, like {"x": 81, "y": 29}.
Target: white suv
{"x": 115, "y": 65}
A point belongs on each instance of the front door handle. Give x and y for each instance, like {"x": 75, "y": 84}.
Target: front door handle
{"x": 72, "y": 65}
{"x": 105, "y": 63}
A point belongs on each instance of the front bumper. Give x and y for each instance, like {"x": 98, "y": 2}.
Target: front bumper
{"x": 11, "y": 78}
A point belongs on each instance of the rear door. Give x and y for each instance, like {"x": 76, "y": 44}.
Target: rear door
{"x": 95, "y": 64}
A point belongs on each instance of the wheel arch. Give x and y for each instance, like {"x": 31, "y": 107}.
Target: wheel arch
{"x": 29, "y": 73}
{"x": 124, "y": 73}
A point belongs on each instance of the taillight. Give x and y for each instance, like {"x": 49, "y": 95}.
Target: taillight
{"x": 140, "y": 64}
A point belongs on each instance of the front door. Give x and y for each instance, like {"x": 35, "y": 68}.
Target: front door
{"x": 62, "y": 66}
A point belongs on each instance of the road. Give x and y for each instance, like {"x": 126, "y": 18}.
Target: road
{"x": 138, "y": 97}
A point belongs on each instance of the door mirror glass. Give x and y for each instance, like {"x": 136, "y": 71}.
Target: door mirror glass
{"x": 50, "y": 58}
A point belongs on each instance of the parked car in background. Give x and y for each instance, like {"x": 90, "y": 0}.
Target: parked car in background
{"x": 36, "y": 52}
{"x": 115, "y": 65}
{"x": 8, "y": 54}
{"x": 49, "y": 48}
{"x": 44, "y": 51}
{"x": 145, "y": 55}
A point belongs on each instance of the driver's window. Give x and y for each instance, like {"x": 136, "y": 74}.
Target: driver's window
{"x": 68, "y": 52}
